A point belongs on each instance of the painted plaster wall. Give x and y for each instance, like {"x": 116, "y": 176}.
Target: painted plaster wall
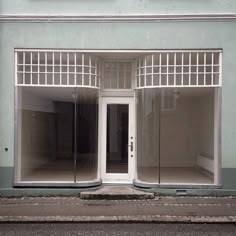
{"x": 115, "y": 7}
{"x": 111, "y": 36}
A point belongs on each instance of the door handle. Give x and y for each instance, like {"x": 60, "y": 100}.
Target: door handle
{"x": 131, "y": 146}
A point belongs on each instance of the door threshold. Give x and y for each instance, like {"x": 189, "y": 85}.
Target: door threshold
{"x": 117, "y": 183}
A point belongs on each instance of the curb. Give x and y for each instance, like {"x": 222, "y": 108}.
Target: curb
{"x": 119, "y": 219}
{"x": 107, "y": 196}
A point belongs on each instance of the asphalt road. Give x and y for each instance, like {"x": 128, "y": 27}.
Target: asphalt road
{"x": 92, "y": 229}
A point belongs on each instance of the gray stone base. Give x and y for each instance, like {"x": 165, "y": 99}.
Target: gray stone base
{"x": 116, "y": 193}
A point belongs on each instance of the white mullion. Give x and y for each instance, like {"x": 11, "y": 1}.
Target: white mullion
{"x": 117, "y": 74}
{"x": 68, "y": 70}
{"x": 220, "y": 69}
{"x": 90, "y": 70}
{"x": 53, "y": 69}
{"x": 175, "y": 69}
{"x": 24, "y": 68}
{"x": 110, "y": 78}
{"x": 82, "y": 69}
{"x": 125, "y": 75}
{"x": 167, "y": 69}
{"x": 160, "y": 83}
{"x": 139, "y": 72}
{"x": 75, "y": 70}
{"x": 204, "y": 69}
{"x": 16, "y": 69}
{"x": 31, "y": 67}
{"x": 152, "y": 69}
{"x": 100, "y": 72}
{"x": 190, "y": 70}
{"x": 212, "y": 68}
{"x": 46, "y": 68}
{"x": 60, "y": 65}
{"x": 145, "y": 71}
{"x": 38, "y": 67}
{"x": 182, "y": 69}
{"x": 96, "y": 72}
{"x": 197, "y": 68}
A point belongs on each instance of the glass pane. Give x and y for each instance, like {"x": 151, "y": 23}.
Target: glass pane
{"x": 117, "y": 138}
{"x": 187, "y": 137}
{"x": 148, "y": 110}
{"x": 86, "y": 134}
{"x": 45, "y": 134}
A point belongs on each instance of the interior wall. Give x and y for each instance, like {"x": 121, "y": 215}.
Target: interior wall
{"x": 180, "y": 134}
{"x": 206, "y": 125}
{"x": 148, "y": 128}
{"x": 37, "y": 131}
{"x": 32, "y": 102}
{"x": 64, "y": 117}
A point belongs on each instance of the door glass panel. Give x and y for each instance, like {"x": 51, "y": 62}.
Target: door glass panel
{"x": 148, "y": 120}
{"x": 117, "y": 138}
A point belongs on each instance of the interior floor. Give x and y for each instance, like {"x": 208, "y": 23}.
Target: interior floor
{"x": 174, "y": 175}
{"x": 117, "y": 167}
{"x": 62, "y": 170}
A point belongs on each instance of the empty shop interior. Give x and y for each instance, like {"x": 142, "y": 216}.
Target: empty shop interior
{"x": 177, "y": 116}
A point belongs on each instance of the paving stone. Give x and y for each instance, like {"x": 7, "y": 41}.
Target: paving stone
{"x": 156, "y": 210}
{"x": 162, "y": 209}
{"x": 218, "y": 211}
{"x": 187, "y": 210}
{"x": 205, "y": 200}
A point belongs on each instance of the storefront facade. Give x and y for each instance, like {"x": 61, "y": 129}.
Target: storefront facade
{"x": 134, "y": 97}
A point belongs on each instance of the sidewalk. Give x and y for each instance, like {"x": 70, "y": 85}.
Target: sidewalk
{"x": 160, "y": 209}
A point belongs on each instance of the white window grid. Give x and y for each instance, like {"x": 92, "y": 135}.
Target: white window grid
{"x": 117, "y": 75}
{"x": 179, "y": 69}
{"x": 57, "y": 68}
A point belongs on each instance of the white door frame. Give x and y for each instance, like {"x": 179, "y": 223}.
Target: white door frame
{"x": 118, "y": 177}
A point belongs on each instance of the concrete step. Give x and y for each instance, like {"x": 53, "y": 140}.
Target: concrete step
{"x": 116, "y": 193}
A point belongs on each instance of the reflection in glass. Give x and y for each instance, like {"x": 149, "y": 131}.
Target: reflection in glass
{"x": 117, "y": 138}
{"x": 45, "y": 134}
{"x": 148, "y": 107}
{"x": 52, "y": 125}
{"x": 175, "y": 135}
{"x": 86, "y": 134}
{"x": 187, "y": 137}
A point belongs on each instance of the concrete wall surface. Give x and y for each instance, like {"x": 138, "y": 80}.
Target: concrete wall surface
{"x": 116, "y": 7}
{"x": 148, "y": 35}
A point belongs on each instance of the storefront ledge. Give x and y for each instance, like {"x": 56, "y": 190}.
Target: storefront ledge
{"x": 143, "y": 184}
{"x": 185, "y": 190}
{"x": 44, "y": 192}
{"x": 61, "y": 184}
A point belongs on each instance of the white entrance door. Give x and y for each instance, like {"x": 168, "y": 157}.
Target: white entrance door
{"x": 117, "y": 155}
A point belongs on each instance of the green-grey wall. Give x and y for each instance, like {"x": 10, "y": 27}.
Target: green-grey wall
{"x": 115, "y": 7}
{"x": 117, "y": 36}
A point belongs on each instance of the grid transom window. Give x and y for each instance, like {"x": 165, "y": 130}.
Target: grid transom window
{"x": 57, "y": 68}
{"x": 117, "y": 75}
{"x": 179, "y": 69}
